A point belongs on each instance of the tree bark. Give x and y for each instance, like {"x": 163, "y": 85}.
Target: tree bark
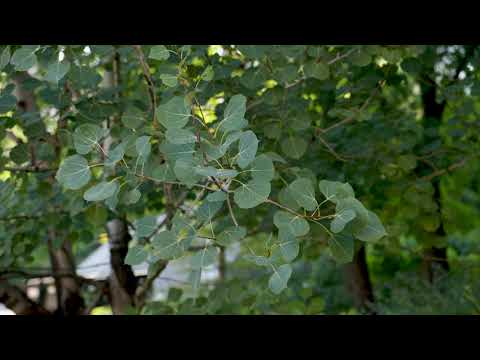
{"x": 122, "y": 281}
{"x": 436, "y": 257}
{"x": 16, "y": 300}
{"x": 69, "y": 300}
{"x": 358, "y": 282}
{"x": 433, "y": 256}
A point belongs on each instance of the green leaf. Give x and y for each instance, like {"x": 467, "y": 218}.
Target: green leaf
{"x": 360, "y": 58}
{"x": 252, "y": 194}
{"x": 279, "y": 279}
{"x": 294, "y": 147}
{"x": 180, "y": 136}
{"x": 407, "y": 162}
{"x": 230, "y": 235}
{"x": 133, "y": 118}
{"x": 5, "y": 58}
{"x": 24, "y": 58}
{"x": 219, "y": 173}
{"x": 143, "y": 146}
{"x": 56, "y": 71}
{"x": 430, "y": 222}
{"x": 342, "y": 247}
{"x": 286, "y": 221}
{"x": 166, "y": 246}
{"x": 341, "y": 219}
{"x": 101, "y": 191}
{"x": 216, "y": 196}
{"x": 208, "y": 73}
{"x": 174, "y": 152}
{"x": 204, "y": 257}
{"x": 8, "y": 103}
{"x": 159, "y": 52}
{"x": 286, "y": 198}
{"x": 361, "y": 212}
{"x": 211, "y": 151}
{"x": 300, "y": 122}
{"x": 215, "y": 152}
{"x": 247, "y": 149}
{"x": 86, "y": 137}
{"x": 262, "y": 168}
{"x": 316, "y": 70}
{"x": 372, "y": 231}
{"x": 74, "y": 173}
{"x": 208, "y": 210}
{"x": 233, "y": 116}
{"x": 175, "y": 113}
{"x": 194, "y": 278}
{"x": 288, "y": 244}
{"x": 20, "y": 153}
{"x": 257, "y": 260}
{"x": 116, "y": 154}
{"x": 253, "y": 51}
{"x": 275, "y": 157}
{"x": 303, "y": 192}
{"x": 230, "y": 139}
{"x": 136, "y": 255}
{"x": 273, "y": 131}
{"x": 412, "y": 66}
{"x": 334, "y": 191}
{"x": 132, "y": 197}
{"x": 163, "y": 172}
{"x": 129, "y": 141}
{"x": 145, "y": 226}
{"x": 184, "y": 170}
{"x": 174, "y": 294}
{"x": 183, "y": 230}
{"x": 112, "y": 201}
{"x": 169, "y": 80}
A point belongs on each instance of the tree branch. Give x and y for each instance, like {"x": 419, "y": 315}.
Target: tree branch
{"x": 148, "y": 79}
{"x": 29, "y": 169}
{"x": 17, "y": 300}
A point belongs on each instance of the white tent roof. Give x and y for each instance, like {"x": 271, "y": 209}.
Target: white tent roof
{"x": 5, "y": 311}
{"x": 97, "y": 266}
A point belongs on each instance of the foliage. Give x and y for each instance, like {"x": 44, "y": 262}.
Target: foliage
{"x": 300, "y": 154}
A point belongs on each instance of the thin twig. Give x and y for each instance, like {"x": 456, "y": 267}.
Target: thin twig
{"x": 231, "y": 211}
{"x": 340, "y": 57}
{"x": 29, "y": 169}
{"x": 445, "y": 170}
{"x": 330, "y": 148}
{"x": 148, "y": 78}
{"x": 352, "y": 118}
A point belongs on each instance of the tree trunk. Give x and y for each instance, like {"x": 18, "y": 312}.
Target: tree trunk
{"x": 16, "y": 300}
{"x": 69, "y": 300}
{"x": 434, "y": 257}
{"x": 358, "y": 281}
{"x": 122, "y": 282}
{"x": 433, "y": 112}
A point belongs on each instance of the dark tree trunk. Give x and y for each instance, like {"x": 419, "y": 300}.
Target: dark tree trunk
{"x": 123, "y": 282}
{"x": 433, "y": 257}
{"x": 16, "y": 300}
{"x": 358, "y": 281}
{"x": 69, "y": 300}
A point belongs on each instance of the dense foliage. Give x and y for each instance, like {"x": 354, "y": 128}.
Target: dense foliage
{"x": 345, "y": 174}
